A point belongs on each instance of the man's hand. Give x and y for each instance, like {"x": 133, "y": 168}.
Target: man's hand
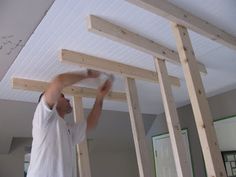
{"x": 104, "y": 89}
{"x": 95, "y": 113}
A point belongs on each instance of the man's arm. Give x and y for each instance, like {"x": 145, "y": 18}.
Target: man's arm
{"x": 95, "y": 113}
{"x": 61, "y": 81}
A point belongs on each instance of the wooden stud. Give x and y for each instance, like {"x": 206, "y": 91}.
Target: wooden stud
{"x": 175, "y": 14}
{"x": 40, "y": 86}
{"x": 104, "y": 28}
{"x": 179, "y": 151}
{"x": 82, "y": 148}
{"x": 97, "y": 63}
{"x": 203, "y": 118}
{"x": 137, "y": 129}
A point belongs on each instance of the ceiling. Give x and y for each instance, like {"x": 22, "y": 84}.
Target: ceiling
{"x": 16, "y": 116}
{"x": 64, "y": 26}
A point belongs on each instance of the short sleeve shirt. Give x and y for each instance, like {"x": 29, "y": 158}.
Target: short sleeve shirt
{"x": 53, "y": 143}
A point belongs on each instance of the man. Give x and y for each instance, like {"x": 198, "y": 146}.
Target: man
{"x": 53, "y": 139}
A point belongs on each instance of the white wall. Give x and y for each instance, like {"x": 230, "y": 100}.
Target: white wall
{"x": 12, "y": 164}
{"x": 123, "y": 162}
{"x": 111, "y": 143}
{"x": 103, "y": 164}
{"x": 226, "y": 128}
{"x": 221, "y": 106}
{"x": 114, "y": 164}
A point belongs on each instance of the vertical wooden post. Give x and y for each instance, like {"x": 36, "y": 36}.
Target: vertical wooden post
{"x": 203, "y": 118}
{"x": 179, "y": 151}
{"x": 138, "y": 129}
{"x": 82, "y": 148}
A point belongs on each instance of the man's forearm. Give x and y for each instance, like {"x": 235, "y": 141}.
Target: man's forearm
{"x": 97, "y": 108}
{"x": 61, "y": 81}
{"x": 67, "y": 79}
{"x": 95, "y": 113}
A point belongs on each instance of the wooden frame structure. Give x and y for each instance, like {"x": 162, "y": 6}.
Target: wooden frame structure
{"x": 102, "y": 27}
{"x": 83, "y": 164}
{"x": 180, "y": 21}
{"x": 102, "y": 64}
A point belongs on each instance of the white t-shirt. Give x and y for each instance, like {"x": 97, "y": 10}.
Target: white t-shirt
{"x": 53, "y": 143}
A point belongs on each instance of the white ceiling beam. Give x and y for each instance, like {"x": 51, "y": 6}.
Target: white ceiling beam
{"x": 40, "y": 86}
{"x": 97, "y": 63}
{"x": 175, "y": 14}
{"x": 104, "y": 28}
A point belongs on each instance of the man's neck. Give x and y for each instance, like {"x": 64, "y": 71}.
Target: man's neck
{"x": 61, "y": 114}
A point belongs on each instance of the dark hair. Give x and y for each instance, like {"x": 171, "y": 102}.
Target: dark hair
{"x": 40, "y": 97}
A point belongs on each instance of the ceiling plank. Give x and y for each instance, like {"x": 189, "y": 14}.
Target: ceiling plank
{"x": 97, "y": 63}
{"x": 180, "y": 16}
{"x": 104, "y": 28}
{"x": 40, "y": 86}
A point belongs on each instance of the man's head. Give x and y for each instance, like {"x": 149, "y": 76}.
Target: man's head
{"x": 63, "y": 104}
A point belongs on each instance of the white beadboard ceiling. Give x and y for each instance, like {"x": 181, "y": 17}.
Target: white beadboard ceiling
{"x": 64, "y": 26}
{"x": 17, "y": 26}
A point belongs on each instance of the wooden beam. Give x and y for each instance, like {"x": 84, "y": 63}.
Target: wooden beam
{"x": 40, "y": 86}
{"x": 104, "y": 28}
{"x": 179, "y": 151}
{"x": 82, "y": 148}
{"x": 97, "y": 63}
{"x": 203, "y": 118}
{"x": 175, "y": 14}
{"x": 138, "y": 129}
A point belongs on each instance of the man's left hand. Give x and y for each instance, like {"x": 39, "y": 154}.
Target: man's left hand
{"x": 105, "y": 88}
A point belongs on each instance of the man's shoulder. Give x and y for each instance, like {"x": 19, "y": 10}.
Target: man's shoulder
{"x": 43, "y": 115}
